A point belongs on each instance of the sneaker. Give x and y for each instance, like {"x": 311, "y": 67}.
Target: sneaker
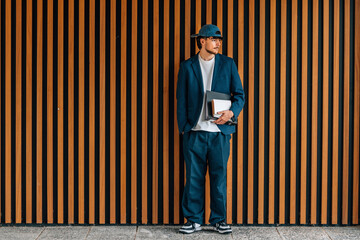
{"x": 190, "y": 227}
{"x": 222, "y": 227}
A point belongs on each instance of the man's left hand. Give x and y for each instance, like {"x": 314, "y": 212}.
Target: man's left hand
{"x": 225, "y": 116}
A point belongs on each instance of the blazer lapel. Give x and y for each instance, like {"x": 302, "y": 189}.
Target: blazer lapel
{"x": 217, "y": 67}
{"x": 196, "y": 67}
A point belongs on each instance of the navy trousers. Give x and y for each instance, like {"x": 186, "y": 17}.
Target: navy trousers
{"x": 200, "y": 147}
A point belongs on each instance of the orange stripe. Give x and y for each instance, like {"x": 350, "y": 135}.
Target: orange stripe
{"x": 50, "y": 110}
{"x": 208, "y": 11}
{"x": 187, "y": 55}
{"x": 303, "y": 114}
{"x": 197, "y": 21}
{"x": 166, "y": 109}
{"x": 335, "y": 152}
{"x": 29, "y": 30}
{"x": 81, "y": 130}
{"x": 240, "y": 132}
{"x": 60, "y": 112}
{"x": 7, "y": 112}
{"x": 356, "y": 113}
{"x": 102, "y": 114}
{"x": 314, "y": 144}
{"x": 176, "y": 130}
{"x": 155, "y": 114}
{"x": 92, "y": 112}
{"x": 346, "y": 150}
{"x": 18, "y": 110}
{"x": 219, "y": 14}
{"x": 293, "y": 112}
{"x": 261, "y": 112}
{"x": 272, "y": 112}
{"x": 325, "y": 123}
{"x": 220, "y": 18}
{"x": 123, "y": 117}
{"x": 144, "y": 124}
{"x": 282, "y": 152}
{"x": 230, "y": 50}
{"x": 251, "y": 113}
{"x": 133, "y": 111}
{"x": 113, "y": 111}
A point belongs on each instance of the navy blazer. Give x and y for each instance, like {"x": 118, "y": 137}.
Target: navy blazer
{"x": 190, "y": 90}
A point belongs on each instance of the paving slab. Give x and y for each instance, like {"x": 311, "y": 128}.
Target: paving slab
{"x": 17, "y": 233}
{"x": 112, "y": 232}
{"x": 65, "y": 232}
{"x": 158, "y": 232}
{"x": 343, "y": 232}
{"x": 302, "y": 233}
{"x": 255, "y": 233}
{"x": 207, "y": 232}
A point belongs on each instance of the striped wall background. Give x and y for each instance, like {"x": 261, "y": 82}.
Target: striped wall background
{"x": 88, "y": 110}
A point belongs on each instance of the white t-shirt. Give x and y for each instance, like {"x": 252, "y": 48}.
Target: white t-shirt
{"x": 207, "y": 70}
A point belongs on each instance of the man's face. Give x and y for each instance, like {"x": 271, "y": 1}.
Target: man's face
{"x": 212, "y": 44}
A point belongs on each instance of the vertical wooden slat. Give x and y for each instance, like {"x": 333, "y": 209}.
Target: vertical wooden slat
{"x": 272, "y": 118}
{"x": 325, "y": 123}
{"x": 314, "y": 107}
{"x": 346, "y": 150}
{"x": 240, "y": 130}
{"x": 92, "y": 112}
{"x": 304, "y": 87}
{"x": 356, "y": 113}
{"x": 208, "y": 11}
{"x": 133, "y": 110}
{"x": 282, "y": 147}
{"x": 39, "y": 111}
{"x": 81, "y": 130}
{"x": 144, "y": 124}
{"x": 230, "y": 49}
{"x": 176, "y": 130}
{"x": 123, "y": 116}
{"x": 71, "y": 113}
{"x": 50, "y": 109}
{"x": 187, "y": 55}
{"x": 294, "y": 20}
{"x": 187, "y": 29}
{"x": 335, "y": 126}
{"x": 166, "y": 113}
{"x": 261, "y": 111}
{"x": 60, "y": 109}
{"x": 197, "y": 20}
{"x": 219, "y": 14}
{"x": 113, "y": 111}
{"x": 18, "y": 110}
{"x": 207, "y": 176}
{"x": 250, "y": 200}
{"x": 29, "y": 56}
{"x": 102, "y": 123}
{"x": 155, "y": 114}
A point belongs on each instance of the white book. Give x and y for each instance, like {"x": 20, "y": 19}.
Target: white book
{"x": 219, "y": 105}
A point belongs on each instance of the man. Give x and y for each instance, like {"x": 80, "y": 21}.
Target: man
{"x": 205, "y": 140}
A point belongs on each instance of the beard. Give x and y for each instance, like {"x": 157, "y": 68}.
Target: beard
{"x": 212, "y": 51}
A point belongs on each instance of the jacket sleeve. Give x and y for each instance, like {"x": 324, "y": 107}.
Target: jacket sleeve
{"x": 181, "y": 92}
{"x": 237, "y": 91}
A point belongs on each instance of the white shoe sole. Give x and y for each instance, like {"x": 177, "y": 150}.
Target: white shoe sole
{"x": 188, "y": 231}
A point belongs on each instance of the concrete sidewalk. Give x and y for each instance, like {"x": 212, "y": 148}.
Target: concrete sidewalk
{"x": 171, "y": 232}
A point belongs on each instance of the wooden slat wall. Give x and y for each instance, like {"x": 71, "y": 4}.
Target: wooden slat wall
{"x": 88, "y": 110}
